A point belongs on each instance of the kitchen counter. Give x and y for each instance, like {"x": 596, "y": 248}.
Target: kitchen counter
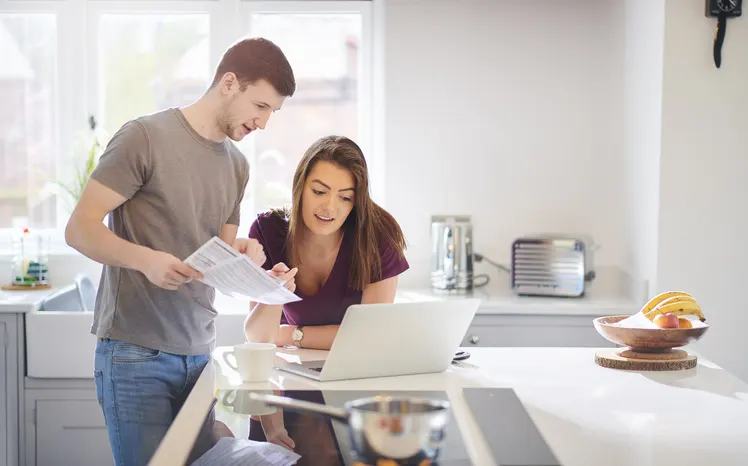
{"x": 611, "y": 293}
{"x": 588, "y": 415}
{"x": 23, "y": 301}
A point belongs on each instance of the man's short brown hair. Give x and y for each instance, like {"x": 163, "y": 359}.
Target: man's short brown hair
{"x": 256, "y": 58}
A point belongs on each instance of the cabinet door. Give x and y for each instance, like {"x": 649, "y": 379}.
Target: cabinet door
{"x": 71, "y": 432}
{"x": 7, "y": 378}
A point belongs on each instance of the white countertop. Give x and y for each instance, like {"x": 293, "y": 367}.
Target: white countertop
{"x": 22, "y": 301}
{"x": 589, "y": 415}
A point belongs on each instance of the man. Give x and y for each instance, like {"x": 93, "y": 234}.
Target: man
{"x": 169, "y": 182}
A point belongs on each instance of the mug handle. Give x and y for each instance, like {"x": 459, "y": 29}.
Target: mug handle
{"x": 225, "y": 401}
{"x": 226, "y": 359}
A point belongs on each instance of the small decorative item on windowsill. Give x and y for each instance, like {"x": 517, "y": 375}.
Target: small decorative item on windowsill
{"x": 30, "y": 262}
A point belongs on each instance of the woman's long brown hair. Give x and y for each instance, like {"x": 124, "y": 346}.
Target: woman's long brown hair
{"x": 368, "y": 222}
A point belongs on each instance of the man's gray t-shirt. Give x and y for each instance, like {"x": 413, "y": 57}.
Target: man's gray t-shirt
{"x": 181, "y": 189}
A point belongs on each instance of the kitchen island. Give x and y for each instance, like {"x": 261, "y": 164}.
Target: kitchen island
{"x": 48, "y": 408}
{"x": 588, "y": 415}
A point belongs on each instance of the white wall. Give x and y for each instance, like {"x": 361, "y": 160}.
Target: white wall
{"x": 703, "y": 220}
{"x": 509, "y": 114}
{"x": 643, "y": 42}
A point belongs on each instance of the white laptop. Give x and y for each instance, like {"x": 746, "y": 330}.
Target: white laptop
{"x": 381, "y": 340}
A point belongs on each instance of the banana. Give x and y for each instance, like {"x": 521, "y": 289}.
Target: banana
{"x": 660, "y": 298}
{"x": 678, "y": 308}
{"x": 675, "y": 299}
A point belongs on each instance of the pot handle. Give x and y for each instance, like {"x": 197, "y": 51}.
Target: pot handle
{"x": 302, "y": 406}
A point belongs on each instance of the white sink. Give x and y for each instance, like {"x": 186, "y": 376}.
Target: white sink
{"x": 59, "y": 345}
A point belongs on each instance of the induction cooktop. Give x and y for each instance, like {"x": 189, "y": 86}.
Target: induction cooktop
{"x": 512, "y": 436}
{"x": 321, "y": 441}
{"x": 507, "y": 428}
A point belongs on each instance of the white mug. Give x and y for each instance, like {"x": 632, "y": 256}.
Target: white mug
{"x": 253, "y": 361}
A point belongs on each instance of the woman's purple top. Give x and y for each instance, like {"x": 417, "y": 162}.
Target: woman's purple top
{"x": 329, "y": 304}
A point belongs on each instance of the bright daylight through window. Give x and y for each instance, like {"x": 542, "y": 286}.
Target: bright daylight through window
{"x": 141, "y": 58}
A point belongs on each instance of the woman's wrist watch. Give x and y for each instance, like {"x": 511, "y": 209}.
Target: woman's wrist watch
{"x": 297, "y": 335}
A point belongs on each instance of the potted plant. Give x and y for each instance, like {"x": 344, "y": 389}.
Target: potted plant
{"x": 95, "y": 145}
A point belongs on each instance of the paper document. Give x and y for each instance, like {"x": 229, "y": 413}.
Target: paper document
{"x": 234, "y": 274}
{"x": 230, "y": 451}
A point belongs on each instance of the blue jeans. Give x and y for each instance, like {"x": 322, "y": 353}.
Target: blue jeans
{"x": 141, "y": 390}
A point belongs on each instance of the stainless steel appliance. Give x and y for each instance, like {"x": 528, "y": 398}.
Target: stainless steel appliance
{"x": 552, "y": 265}
{"x": 451, "y": 253}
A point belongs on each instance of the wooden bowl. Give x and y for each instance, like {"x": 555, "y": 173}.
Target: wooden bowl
{"x": 647, "y": 339}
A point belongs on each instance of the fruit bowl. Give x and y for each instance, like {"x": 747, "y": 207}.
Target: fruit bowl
{"x": 647, "y": 340}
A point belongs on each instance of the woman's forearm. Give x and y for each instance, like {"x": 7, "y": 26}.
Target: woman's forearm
{"x": 315, "y": 337}
{"x": 261, "y": 325}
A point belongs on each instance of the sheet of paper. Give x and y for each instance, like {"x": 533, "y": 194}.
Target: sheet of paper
{"x": 230, "y": 451}
{"x": 234, "y": 274}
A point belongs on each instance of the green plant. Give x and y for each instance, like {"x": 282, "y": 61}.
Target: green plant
{"x": 94, "y": 148}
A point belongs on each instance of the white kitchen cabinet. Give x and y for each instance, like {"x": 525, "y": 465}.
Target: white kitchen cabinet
{"x": 65, "y": 425}
{"x": 5, "y": 427}
{"x": 533, "y": 330}
{"x": 9, "y": 388}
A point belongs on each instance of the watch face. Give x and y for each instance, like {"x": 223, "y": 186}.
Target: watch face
{"x": 296, "y": 335}
{"x": 727, "y": 5}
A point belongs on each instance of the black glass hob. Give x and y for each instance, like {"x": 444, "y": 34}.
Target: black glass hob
{"x": 507, "y": 428}
{"x": 509, "y": 431}
{"x": 321, "y": 441}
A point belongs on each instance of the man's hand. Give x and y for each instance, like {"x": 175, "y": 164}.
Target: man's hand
{"x": 166, "y": 271}
{"x": 282, "y": 272}
{"x": 251, "y": 248}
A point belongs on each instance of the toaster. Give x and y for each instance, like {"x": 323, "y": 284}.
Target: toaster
{"x": 551, "y": 265}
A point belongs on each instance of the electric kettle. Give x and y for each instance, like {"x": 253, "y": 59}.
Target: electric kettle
{"x": 451, "y": 253}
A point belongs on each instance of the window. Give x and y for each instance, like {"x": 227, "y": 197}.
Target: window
{"x": 28, "y": 127}
{"x": 67, "y": 60}
{"x": 148, "y": 62}
{"x": 327, "y": 70}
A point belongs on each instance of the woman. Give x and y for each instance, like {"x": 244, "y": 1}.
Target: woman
{"x": 343, "y": 248}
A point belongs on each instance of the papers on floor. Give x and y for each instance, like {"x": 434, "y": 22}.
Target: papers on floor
{"x": 230, "y": 451}
{"x": 234, "y": 274}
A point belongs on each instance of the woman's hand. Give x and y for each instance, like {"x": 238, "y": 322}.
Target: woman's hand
{"x": 282, "y": 272}
{"x": 275, "y": 430}
{"x": 251, "y": 248}
{"x": 284, "y": 335}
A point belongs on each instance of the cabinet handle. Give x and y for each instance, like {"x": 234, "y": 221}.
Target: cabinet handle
{"x": 474, "y": 339}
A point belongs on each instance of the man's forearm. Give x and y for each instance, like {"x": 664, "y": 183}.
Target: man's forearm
{"x": 261, "y": 325}
{"x": 97, "y": 242}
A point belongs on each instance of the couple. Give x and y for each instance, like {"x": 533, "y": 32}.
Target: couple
{"x": 172, "y": 180}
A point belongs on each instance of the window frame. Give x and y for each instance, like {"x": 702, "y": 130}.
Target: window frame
{"x": 78, "y": 73}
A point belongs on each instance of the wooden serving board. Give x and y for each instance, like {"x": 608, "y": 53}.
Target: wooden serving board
{"x": 25, "y": 287}
{"x": 625, "y": 359}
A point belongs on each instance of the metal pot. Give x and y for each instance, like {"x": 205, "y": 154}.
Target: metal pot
{"x": 407, "y": 430}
